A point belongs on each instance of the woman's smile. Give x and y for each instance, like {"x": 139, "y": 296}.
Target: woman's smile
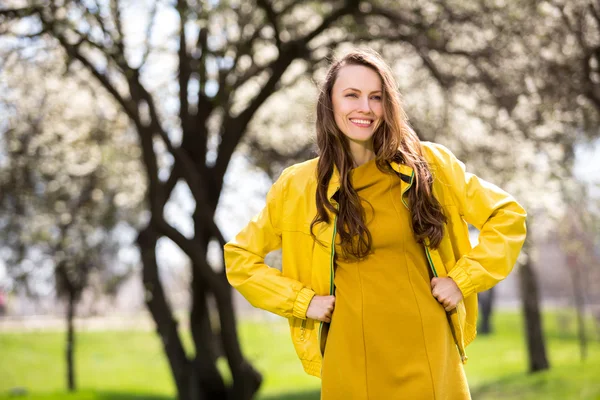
{"x": 362, "y": 123}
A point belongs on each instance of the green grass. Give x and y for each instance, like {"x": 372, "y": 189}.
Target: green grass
{"x": 497, "y": 366}
{"x": 131, "y": 365}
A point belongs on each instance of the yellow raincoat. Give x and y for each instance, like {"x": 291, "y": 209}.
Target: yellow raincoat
{"x": 307, "y": 266}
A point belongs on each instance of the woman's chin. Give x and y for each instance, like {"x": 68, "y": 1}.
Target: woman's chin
{"x": 360, "y": 137}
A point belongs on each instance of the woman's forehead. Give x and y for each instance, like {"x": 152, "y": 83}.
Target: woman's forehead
{"x": 358, "y": 77}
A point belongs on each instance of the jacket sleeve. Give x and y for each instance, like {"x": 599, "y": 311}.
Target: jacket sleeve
{"x": 263, "y": 286}
{"x": 497, "y": 215}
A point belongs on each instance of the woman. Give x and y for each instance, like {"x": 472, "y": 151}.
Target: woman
{"x": 378, "y": 277}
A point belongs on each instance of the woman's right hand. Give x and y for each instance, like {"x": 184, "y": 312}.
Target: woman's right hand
{"x": 321, "y": 308}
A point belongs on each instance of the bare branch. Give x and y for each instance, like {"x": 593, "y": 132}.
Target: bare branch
{"x": 574, "y": 29}
{"x": 395, "y": 16}
{"x": 73, "y": 51}
{"x": 26, "y": 36}
{"x": 184, "y": 69}
{"x": 12, "y": 13}
{"x": 272, "y": 17}
{"x": 595, "y": 12}
{"x": 116, "y": 15}
{"x": 290, "y": 6}
{"x": 194, "y": 180}
{"x": 149, "y": 30}
{"x": 350, "y": 7}
{"x": 444, "y": 80}
{"x": 202, "y": 44}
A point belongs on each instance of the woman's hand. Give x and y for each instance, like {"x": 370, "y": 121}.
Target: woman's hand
{"x": 447, "y": 293}
{"x": 321, "y": 308}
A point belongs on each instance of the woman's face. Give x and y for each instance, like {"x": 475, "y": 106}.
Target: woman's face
{"x": 357, "y": 102}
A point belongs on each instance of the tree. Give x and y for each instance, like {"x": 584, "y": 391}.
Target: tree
{"x": 578, "y": 236}
{"x": 58, "y": 192}
{"x": 228, "y": 58}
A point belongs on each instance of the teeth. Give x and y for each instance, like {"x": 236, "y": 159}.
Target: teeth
{"x": 361, "y": 121}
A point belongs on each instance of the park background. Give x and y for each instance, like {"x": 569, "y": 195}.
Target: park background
{"x": 138, "y": 136}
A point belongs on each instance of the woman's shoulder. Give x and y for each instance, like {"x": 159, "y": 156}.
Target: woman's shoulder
{"x": 300, "y": 174}
{"x": 437, "y": 154}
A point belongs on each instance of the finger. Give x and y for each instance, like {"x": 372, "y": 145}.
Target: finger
{"x": 450, "y": 308}
{"x": 434, "y": 282}
{"x": 328, "y": 320}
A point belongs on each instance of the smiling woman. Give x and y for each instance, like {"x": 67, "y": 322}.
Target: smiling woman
{"x": 358, "y": 109}
{"x": 378, "y": 278}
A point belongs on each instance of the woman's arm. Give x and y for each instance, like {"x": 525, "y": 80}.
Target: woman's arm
{"x": 497, "y": 215}
{"x": 263, "y": 286}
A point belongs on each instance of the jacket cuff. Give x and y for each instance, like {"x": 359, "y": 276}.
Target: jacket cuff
{"x": 463, "y": 281}
{"x": 302, "y": 301}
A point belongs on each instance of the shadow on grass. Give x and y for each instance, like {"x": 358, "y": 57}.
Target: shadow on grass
{"x": 493, "y": 387}
{"x": 518, "y": 385}
{"x": 310, "y": 395}
{"x": 130, "y": 396}
{"x": 83, "y": 395}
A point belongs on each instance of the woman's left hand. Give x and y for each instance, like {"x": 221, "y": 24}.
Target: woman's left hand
{"x": 447, "y": 293}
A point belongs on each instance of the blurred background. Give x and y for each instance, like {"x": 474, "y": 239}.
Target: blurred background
{"x": 138, "y": 136}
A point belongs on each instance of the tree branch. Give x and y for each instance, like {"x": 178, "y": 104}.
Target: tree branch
{"x": 272, "y": 18}
{"x": 149, "y": 30}
{"x": 235, "y": 128}
{"x": 23, "y": 12}
{"x": 72, "y": 50}
{"x": 350, "y": 7}
{"x": 184, "y": 69}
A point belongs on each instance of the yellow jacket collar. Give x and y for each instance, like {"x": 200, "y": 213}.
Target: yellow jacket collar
{"x": 405, "y": 171}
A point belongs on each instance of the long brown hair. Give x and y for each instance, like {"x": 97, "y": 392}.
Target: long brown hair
{"x": 393, "y": 141}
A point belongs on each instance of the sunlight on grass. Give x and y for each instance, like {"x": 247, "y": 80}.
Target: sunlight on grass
{"x": 131, "y": 365}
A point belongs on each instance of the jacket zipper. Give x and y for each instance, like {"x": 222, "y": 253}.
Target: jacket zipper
{"x": 433, "y": 270}
{"x": 463, "y": 356}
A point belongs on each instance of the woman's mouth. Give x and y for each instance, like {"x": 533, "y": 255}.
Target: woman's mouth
{"x": 362, "y": 123}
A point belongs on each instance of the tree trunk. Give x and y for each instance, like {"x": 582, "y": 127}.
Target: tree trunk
{"x": 166, "y": 326}
{"x": 209, "y": 379}
{"x": 70, "y": 348}
{"x": 222, "y": 339}
{"x": 578, "y": 296}
{"x": 536, "y": 345}
{"x": 246, "y": 380}
{"x": 486, "y": 303}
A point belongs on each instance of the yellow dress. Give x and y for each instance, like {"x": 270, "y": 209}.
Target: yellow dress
{"x": 389, "y": 337}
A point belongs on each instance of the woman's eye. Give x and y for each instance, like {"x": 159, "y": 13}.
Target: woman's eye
{"x": 376, "y": 98}
{"x": 351, "y": 95}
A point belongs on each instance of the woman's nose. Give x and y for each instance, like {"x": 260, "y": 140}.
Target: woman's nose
{"x": 363, "y": 105}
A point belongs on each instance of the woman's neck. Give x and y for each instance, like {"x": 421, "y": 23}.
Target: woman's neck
{"x": 361, "y": 153}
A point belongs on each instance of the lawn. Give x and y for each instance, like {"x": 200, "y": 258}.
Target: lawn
{"x": 130, "y": 365}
